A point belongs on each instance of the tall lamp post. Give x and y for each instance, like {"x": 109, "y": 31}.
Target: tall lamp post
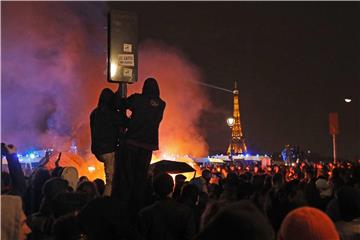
{"x": 230, "y": 122}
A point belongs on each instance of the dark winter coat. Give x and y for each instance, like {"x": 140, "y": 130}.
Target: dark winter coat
{"x": 105, "y": 123}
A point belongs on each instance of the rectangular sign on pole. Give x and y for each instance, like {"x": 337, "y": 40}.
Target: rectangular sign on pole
{"x": 333, "y": 123}
{"x": 122, "y": 47}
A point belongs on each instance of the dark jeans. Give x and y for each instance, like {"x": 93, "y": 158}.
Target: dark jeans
{"x": 130, "y": 180}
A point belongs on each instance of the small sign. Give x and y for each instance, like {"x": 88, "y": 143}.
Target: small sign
{"x": 127, "y": 48}
{"x": 127, "y": 72}
{"x": 126, "y": 60}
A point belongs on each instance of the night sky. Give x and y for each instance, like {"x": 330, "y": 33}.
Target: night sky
{"x": 294, "y": 62}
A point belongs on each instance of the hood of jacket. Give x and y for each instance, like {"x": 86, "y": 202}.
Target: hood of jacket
{"x": 151, "y": 88}
{"x": 106, "y": 97}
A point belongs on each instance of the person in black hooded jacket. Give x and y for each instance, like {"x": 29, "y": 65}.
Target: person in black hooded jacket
{"x": 141, "y": 138}
{"x": 105, "y": 124}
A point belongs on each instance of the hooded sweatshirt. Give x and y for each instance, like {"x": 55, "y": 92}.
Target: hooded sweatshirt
{"x": 11, "y": 208}
{"x": 105, "y": 124}
{"x": 147, "y": 112}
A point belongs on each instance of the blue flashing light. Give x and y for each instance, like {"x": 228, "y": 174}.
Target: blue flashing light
{"x": 32, "y": 155}
{"x": 247, "y": 155}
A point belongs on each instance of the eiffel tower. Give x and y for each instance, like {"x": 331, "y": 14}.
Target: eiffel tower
{"x": 237, "y": 144}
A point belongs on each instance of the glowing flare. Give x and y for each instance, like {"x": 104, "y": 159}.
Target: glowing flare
{"x": 91, "y": 169}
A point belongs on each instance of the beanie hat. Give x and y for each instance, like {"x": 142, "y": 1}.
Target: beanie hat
{"x": 243, "y": 216}
{"x": 11, "y": 208}
{"x": 323, "y": 186}
{"x": 307, "y": 223}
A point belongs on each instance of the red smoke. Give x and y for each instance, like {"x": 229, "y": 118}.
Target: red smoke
{"x": 179, "y": 133}
{"x": 53, "y": 71}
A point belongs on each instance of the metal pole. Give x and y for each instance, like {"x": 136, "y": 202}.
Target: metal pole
{"x": 122, "y": 89}
{"x": 334, "y": 148}
{"x": 122, "y": 94}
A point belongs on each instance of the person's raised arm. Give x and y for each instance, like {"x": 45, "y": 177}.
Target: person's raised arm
{"x": 16, "y": 174}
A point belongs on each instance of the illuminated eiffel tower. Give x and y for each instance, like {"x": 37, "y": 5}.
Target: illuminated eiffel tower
{"x": 237, "y": 144}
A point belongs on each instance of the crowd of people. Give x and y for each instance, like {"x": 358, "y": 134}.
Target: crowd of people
{"x": 227, "y": 202}
{"x": 232, "y": 201}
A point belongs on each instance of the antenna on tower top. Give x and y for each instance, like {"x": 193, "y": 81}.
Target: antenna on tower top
{"x": 235, "y": 91}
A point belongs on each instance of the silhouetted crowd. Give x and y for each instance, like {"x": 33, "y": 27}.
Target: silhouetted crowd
{"x": 304, "y": 201}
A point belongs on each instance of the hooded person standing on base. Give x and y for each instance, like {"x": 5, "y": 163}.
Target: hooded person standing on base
{"x": 106, "y": 124}
{"x": 141, "y": 139}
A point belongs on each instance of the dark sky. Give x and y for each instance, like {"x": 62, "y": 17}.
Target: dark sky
{"x": 294, "y": 62}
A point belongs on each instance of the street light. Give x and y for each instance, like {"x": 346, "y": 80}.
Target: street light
{"x": 230, "y": 122}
